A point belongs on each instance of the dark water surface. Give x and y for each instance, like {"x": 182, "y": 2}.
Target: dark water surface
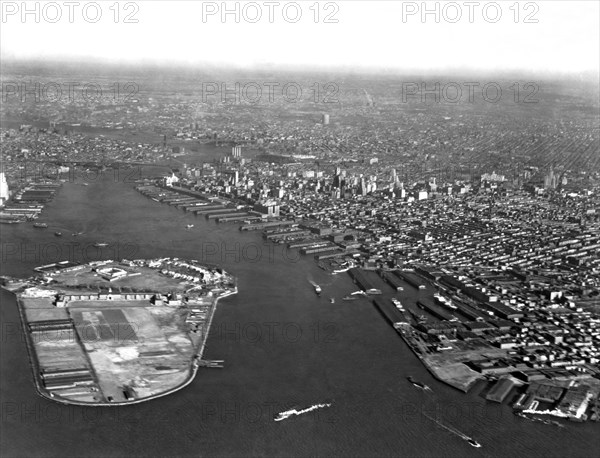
{"x": 283, "y": 347}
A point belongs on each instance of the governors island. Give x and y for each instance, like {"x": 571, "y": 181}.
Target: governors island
{"x": 114, "y": 333}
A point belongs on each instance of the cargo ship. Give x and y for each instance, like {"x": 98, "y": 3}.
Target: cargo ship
{"x": 444, "y": 301}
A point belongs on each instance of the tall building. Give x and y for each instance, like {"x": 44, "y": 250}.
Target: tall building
{"x": 363, "y": 187}
{"x": 236, "y": 151}
{"x": 267, "y": 207}
{"x": 550, "y": 180}
{"x": 4, "y": 192}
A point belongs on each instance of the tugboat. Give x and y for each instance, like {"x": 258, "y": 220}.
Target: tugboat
{"x": 418, "y": 384}
{"x": 473, "y": 442}
{"x": 317, "y": 288}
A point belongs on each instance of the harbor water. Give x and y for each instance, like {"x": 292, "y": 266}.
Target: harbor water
{"x": 284, "y": 348}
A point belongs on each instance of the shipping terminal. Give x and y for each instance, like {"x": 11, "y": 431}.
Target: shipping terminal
{"x": 111, "y": 333}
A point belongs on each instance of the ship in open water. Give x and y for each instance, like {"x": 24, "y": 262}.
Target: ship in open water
{"x": 288, "y": 413}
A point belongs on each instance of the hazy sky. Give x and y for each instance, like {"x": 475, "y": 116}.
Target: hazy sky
{"x": 369, "y": 34}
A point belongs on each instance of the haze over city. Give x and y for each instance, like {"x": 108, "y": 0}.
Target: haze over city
{"x": 542, "y": 37}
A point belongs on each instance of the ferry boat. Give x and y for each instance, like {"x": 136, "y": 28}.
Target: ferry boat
{"x": 288, "y": 413}
{"x": 40, "y": 225}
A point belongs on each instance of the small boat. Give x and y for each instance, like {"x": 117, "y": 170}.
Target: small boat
{"x": 100, "y": 244}
{"x": 418, "y": 384}
{"x": 332, "y": 300}
{"x": 473, "y": 442}
{"x": 58, "y": 234}
{"x": 317, "y": 288}
{"x": 40, "y": 225}
{"x": 349, "y": 298}
{"x": 189, "y": 226}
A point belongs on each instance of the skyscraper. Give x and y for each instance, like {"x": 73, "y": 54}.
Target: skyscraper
{"x": 550, "y": 180}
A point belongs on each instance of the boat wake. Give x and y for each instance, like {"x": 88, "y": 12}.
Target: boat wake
{"x": 455, "y": 431}
{"x": 288, "y": 413}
